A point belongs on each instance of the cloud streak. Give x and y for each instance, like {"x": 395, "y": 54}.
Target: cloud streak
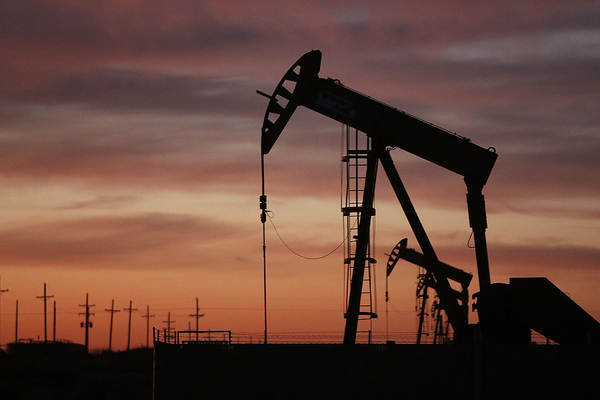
{"x": 132, "y": 90}
{"x": 143, "y": 241}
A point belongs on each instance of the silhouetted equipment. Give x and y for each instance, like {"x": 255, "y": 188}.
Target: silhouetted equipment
{"x": 401, "y": 251}
{"x": 387, "y": 128}
{"x": 359, "y": 170}
{"x": 506, "y": 366}
{"x": 191, "y": 337}
{"x": 512, "y": 310}
{"x": 452, "y": 273}
{"x": 440, "y": 331}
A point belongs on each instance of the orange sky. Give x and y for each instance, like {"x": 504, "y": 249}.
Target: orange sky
{"x": 130, "y": 161}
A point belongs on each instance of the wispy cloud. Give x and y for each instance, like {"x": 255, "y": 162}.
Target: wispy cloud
{"x": 100, "y": 202}
{"x": 133, "y": 90}
{"x": 141, "y": 241}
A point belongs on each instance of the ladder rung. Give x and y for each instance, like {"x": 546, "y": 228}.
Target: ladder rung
{"x": 354, "y": 157}
{"x": 370, "y": 314}
{"x": 359, "y": 209}
{"x": 365, "y": 152}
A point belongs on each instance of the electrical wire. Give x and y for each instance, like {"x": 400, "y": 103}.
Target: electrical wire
{"x": 301, "y": 255}
{"x": 469, "y": 241}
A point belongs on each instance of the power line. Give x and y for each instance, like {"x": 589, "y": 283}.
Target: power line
{"x": 301, "y": 255}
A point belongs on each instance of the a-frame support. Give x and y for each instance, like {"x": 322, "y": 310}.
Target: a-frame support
{"x": 449, "y": 303}
{"x": 448, "y": 300}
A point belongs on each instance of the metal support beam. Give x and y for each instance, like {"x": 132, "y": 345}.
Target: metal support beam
{"x": 478, "y": 222}
{"x": 449, "y": 303}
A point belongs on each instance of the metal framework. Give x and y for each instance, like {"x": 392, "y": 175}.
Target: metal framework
{"x": 359, "y": 212}
{"x": 388, "y": 127}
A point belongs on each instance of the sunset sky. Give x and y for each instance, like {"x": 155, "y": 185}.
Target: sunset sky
{"x": 130, "y": 155}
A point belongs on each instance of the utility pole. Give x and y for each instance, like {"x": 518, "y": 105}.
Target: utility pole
{"x": 45, "y": 314}
{"x": 168, "y": 321}
{"x": 112, "y": 311}
{"x": 129, "y": 330}
{"x": 148, "y": 316}
{"x": 263, "y": 219}
{"x": 54, "y": 324}
{"x": 1, "y": 292}
{"x": 198, "y": 316}
{"x": 17, "y": 323}
{"x": 87, "y": 323}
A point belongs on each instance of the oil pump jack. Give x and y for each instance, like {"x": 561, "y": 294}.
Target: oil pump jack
{"x": 507, "y": 312}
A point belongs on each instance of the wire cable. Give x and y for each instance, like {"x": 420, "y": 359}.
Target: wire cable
{"x": 469, "y": 241}
{"x": 301, "y": 255}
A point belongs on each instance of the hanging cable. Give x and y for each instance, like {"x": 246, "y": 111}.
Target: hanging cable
{"x": 469, "y": 241}
{"x": 268, "y": 213}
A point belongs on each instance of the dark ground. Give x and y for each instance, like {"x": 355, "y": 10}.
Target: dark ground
{"x": 107, "y": 376}
{"x": 406, "y": 372}
{"x": 308, "y": 372}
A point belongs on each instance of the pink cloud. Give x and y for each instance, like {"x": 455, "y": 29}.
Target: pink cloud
{"x": 144, "y": 241}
